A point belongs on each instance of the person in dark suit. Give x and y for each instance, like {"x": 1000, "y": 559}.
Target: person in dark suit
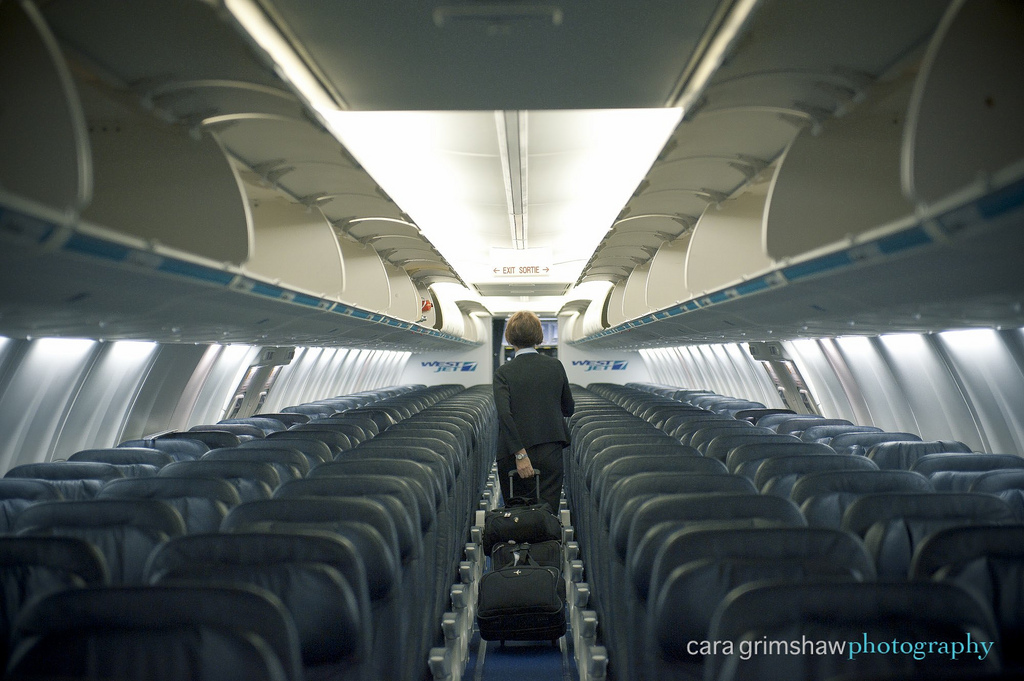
{"x": 532, "y": 395}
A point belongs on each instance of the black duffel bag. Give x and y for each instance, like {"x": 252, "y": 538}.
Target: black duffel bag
{"x": 521, "y": 603}
{"x": 521, "y": 520}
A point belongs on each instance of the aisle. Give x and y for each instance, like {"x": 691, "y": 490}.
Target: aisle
{"x": 519, "y": 660}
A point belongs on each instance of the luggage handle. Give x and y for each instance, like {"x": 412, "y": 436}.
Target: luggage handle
{"x": 511, "y": 482}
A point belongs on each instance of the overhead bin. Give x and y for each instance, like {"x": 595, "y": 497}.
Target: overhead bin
{"x": 666, "y": 282}
{"x": 405, "y": 299}
{"x": 634, "y": 298}
{"x": 964, "y": 122}
{"x": 367, "y": 284}
{"x": 297, "y": 246}
{"x": 615, "y": 314}
{"x": 726, "y": 244}
{"x": 46, "y": 157}
{"x": 841, "y": 180}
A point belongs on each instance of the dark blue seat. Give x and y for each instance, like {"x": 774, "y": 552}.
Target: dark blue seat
{"x": 253, "y": 479}
{"x": 369, "y": 526}
{"x": 988, "y": 562}
{"x": 956, "y": 472}
{"x": 695, "y": 570}
{"x": 778, "y": 474}
{"x": 745, "y": 459}
{"x": 126, "y": 458}
{"x": 243, "y": 431}
{"x": 18, "y": 493}
{"x": 1008, "y": 485}
{"x": 157, "y": 633}
{"x": 180, "y": 449}
{"x": 76, "y": 479}
{"x": 124, "y": 530}
{"x": 859, "y": 443}
{"x": 894, "y": 525}
{"x": 202, "y": 502}
{"x": 720, "y": 445}
{"x": 266, "y": 424}
{"x": 831, "y": 610}
{"x": 290, "y": 464}
{"x": 824, "y": 496}
{"x": 315, "y": 451}
{"x": 902, "y": 455}
{"x": 210, "y": 437}
{"x": 824, "y": 433}
{"x": 319, "y": 577}
{"x": 32, "y": 567}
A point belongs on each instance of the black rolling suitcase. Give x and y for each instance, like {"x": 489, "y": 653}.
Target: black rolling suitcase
{"x": 522, "y": 598}
{"x": 521, "y": 520}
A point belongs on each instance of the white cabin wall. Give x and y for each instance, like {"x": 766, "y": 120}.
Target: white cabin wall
{"x": 59, "y": 395}
{"x": 965, "y": 385}
{"x": 726, "y": 368}
{"x": 606, "y": 366}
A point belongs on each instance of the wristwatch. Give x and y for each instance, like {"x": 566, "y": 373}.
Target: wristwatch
{"x": 520, "y": 457}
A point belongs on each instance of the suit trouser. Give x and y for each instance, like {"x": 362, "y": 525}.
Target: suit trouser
{"x": 546, "y": 458}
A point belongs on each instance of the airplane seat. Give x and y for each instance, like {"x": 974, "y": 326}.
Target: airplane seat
{"x": 290, "y": 464}
{"x": 124, "y": 530}
{"x": 312, "y": 411}
{"x": 158, "y": 633}
{"x": 687, "y": 597}
{"x": 680, "y": 425}
{"x": 744, "y": 459}
{"x": 956, "y": 472}
{"x": 685, "y": 432}
{"x": 180, "y": 450}
{"x": 76, "y": 480}
{"x": 266, "y": 424}
{"x": 860, "y": 442}
{"x": 349, "y": 427}
{"x": 419, "y": 582}
{"x": 212, "y": 438}
{"x": 383, "y": 417}
{"x": 824, "y": 433}
{"x": 368, "y": 425}
{"x": 901, "y": 455}
{"x": 1008, "y": 485}
{"x": 334, "y": 439}
{"x": 824, "y": 496}
{"x": 732, "y": 408}
{"x": 617, "y": 468}
{"x": 642, "y": 513}
{"x": 774, "y": 419}
{"x": 253, "y": 479}
{"x": 659, "y": 414}
{"x": 778, "y": 474}
{"x": 315, "y": 451}
{"x": 202, "y": 502}
{"x": 702, "y": 437}
{"x": 707, "y": 401}
{"x": 720, "y": 445}
{"x": 368, "y": 525}
{"x": 126, "y": 458}
{"x": 841, "y": 611}
{"x": 988, "y": 562}
{"x": 752, "y": 415}
{"x": 796, "y": 425}
{"x": 287, "y": 419}
{"x": 243, "y": 431}
{"x": 893, "y": 525}
{"x": 16, "y": 494}
{"x": 32, "y": 567}
{"x": 319, "y": 578}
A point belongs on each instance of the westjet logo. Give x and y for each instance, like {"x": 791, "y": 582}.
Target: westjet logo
{"x": 601, "y": 364}
{"x": 440, "y": 367}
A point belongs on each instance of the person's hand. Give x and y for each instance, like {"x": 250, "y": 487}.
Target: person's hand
{"x": 523, "y": 466}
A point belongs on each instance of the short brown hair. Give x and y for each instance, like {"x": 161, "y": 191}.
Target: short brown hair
{"x": 523, "y": 330}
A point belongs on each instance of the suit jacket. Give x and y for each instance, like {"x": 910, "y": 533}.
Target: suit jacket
{"x": 531, "y": 393}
